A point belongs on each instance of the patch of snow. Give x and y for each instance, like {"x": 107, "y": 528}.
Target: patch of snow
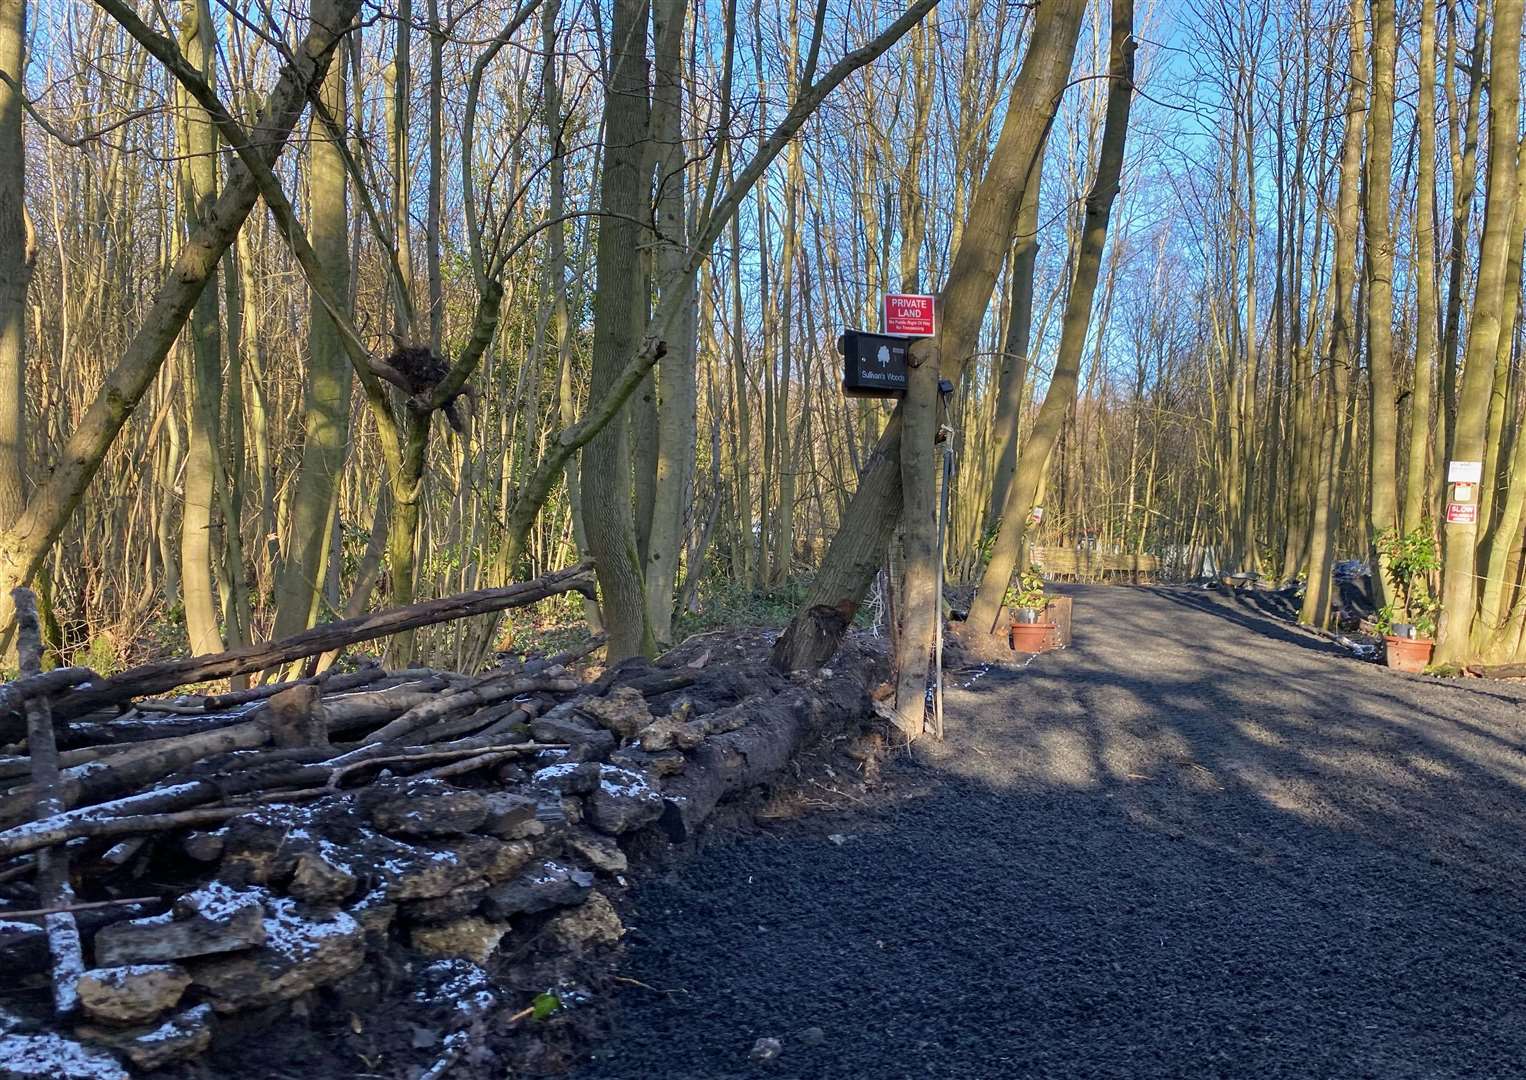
{"x": 219, "y": 902}
{"x": 295, "y": 936}
{"x": 118, "y": 976}
{"x": 52, "y": 1057}
{"x": 175, "y": 1026}
{"x": 551, "y": 772}
{"x": 459, "y": 983}
{"x": 372, "y": 899}
{"x": 334, "y": 855}
{"x": 622, "y": 782}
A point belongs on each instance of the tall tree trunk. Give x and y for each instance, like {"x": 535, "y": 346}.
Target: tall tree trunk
{"x": 1012, "y": 376}
{"x": 1459, "y": 584}
{"x": 743, "y": 463}
{"x": 198, "y": 191}
{"x": 18, "y": 251}
{"x": 556, "y": 277}
{"x": 1060, "y": 397}
{"x": 435, "y": 195}
{"x": 326, "y": 411}
{"x": 1415, "y": 486}
{"x": 677, "y": 388}
{"x": 619, "y": 310}
{"x": 1383, "y": 415}
{"x": 1463, "y": 139}
{"x": 400, "y": 79}
{"x": 235, "y": 586}
{"x": 1316, "y": 600}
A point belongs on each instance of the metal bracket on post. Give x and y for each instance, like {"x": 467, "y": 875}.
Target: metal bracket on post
{"x": 946, "y": 441}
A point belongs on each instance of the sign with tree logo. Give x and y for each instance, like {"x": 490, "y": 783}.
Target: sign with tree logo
{"x": 874, "y": 365}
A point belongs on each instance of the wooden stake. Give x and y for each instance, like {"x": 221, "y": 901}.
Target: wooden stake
{"x": 53, "y": 862}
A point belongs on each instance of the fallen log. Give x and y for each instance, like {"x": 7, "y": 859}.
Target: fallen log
{"x": 419, "y": 754}
{"x": 93, "y": 905}
{"x": 488, "y": 691}
{"x": 351, "y": 712}
{"x": 97, "y": 773}
{"x": 136, "y": 727}
{"x": 180, "y": 805}
{"x": 165, "y": 675}
{"x": 135, "y": 766}
{"x": 568, "y": 656}
{"x": 331, "y": 681}
{"x": 13, "y": 695}
{"x": 1498, "y": 671}
{"x": 756, "y": 739}
{"x": 126, "y": 825}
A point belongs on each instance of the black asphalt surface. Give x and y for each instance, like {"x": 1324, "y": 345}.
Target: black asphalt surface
{"x": 1198, "y": 843}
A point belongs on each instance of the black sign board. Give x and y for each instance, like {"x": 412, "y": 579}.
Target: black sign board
{"x": 874, "y": 365}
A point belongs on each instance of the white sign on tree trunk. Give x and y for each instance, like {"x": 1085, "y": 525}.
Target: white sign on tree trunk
{"x": 1465, "y": 472}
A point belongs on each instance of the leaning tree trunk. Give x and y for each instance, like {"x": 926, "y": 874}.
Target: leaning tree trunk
{"x": 858, "y": 549}
{"x": 1058, "y": 400}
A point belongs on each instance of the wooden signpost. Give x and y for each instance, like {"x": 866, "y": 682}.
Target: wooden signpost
{"x": 880, "y": 365}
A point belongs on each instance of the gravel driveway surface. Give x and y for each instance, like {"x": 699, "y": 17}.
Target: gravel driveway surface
{"x": 1198, "y": 843}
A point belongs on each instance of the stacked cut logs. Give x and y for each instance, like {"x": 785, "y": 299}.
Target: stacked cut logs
{"x": 166, "y": 861}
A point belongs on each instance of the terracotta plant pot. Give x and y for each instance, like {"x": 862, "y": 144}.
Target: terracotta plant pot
{"x": 1407, "y": 654}
{"x": 1033, "y": 637}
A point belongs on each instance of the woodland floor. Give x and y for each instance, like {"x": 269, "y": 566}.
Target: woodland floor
{"x": 1197, "y": 843}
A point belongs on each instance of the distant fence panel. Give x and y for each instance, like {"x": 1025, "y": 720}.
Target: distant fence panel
{"x": 1085, "y": 564}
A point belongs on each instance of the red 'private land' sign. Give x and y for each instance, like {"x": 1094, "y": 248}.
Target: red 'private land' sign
{"x": 910, "y": 314}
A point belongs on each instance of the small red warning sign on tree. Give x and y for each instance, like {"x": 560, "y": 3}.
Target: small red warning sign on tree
{"x": 1462, "y": 513}
{"x": 910, "y": 314}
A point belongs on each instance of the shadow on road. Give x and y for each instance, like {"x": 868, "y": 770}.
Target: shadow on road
{"x": 1197, "y": 843}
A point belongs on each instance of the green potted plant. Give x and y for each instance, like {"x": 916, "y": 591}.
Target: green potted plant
{"x": 1408, "y": 622}
{"x": 1025, "y": 595}
{"x": 1025, "y": 601}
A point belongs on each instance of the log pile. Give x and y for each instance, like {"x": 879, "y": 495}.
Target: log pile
{"x": 168, "y": 864}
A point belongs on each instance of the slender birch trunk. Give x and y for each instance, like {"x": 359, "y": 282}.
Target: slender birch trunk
{"x": 198, "y": 192}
